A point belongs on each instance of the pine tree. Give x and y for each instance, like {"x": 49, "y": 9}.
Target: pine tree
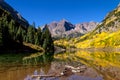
{"x": 38, "y": 37}
{"x": 5, "y": 30}
{"x": 19, "y": 35}
{"x": 24, "y": 34}
{"x": 30, "y": 35}
{"x": 47, "y": 40}
{"x": 12, "y": 29}
{"x": 36, "y": 40}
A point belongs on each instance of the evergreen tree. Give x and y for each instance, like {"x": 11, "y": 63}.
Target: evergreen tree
{"x": 30, "y": 35}
{"x": 38, "y": 37}
{"x": 19, "y": 35}
{"x": 12, "y": 29}
{"x": 5, "y": 31}
{"x": 24, "y": 34}
{"x": 47, "y": 40}
{"x": 36, "y": 40}
{"x": 11, "y": 34}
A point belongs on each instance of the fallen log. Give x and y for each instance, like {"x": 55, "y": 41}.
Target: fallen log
{"x": 69, "y": 70}
{"x": 41, "y": 76}
{"x": 76, "y": 70}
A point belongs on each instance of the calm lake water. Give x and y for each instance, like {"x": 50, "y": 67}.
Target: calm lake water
{"x": 97, "y": 65}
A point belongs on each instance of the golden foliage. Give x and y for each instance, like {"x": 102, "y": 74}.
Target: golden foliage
{"x": 101, "y": 40}
{"x": 96, "y": 58}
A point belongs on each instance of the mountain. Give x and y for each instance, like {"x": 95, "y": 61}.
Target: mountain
{"x": 86, "y": 27}
{"x": 105, "y": 34}
{"x": 57, "y": 29}
{"x": 16, "y": 15}
{"x": 65, "y": 29}
{"x": 111, "y": 22}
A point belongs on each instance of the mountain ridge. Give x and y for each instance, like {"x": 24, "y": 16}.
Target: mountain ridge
{"x": 16, "y": 15}
{"x": 106, "y": 34}
{"x": 65, "y": 29}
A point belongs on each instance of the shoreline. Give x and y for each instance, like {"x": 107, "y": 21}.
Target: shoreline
{"x": 92, "y": 49}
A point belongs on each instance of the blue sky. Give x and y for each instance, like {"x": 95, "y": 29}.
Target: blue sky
{"x": 76, "y": 11}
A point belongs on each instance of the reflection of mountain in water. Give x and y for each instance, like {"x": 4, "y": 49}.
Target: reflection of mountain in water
{"x": 99, "y": 66}
{"x": 105, "y": 64}
{"x": 72, "y": 77}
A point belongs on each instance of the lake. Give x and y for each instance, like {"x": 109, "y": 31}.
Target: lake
{"x": 95, "y": 65}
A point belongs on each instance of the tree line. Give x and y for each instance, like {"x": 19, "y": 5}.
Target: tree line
{"x": 12, "y": 33}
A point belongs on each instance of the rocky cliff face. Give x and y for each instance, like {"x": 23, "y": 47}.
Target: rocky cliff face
{"x": 64, "y": 29}
{"x": 85, "y": 27}
{"x": 58, "y": 28}
{"x": 13, "y": 13}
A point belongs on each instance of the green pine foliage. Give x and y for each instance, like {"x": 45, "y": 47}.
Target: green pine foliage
{"x": 13, "y": 34}
{"x": 31, "y": 35}
{"x": 5, "y": 33}
{"x": 47, "y": 42}
{"x": 19, "y": 35}
{"x": 38, "y": 36}
{"x": 12, "y": 29}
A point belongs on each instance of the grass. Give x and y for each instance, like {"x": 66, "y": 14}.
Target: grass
{"x": 10, "y": 58}
{"x": 35, "y": 47}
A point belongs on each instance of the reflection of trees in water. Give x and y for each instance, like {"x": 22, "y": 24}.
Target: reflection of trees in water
{"x": 105, "y": 63}
{"x": 43, "y": 60}
{"x": 46, "y": 63}
{"x": 37, "y": 59}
